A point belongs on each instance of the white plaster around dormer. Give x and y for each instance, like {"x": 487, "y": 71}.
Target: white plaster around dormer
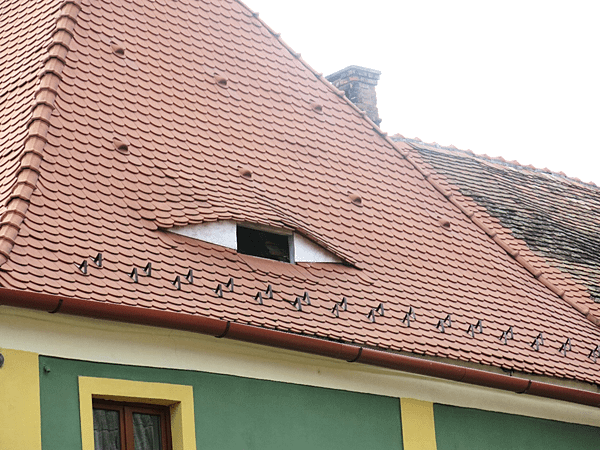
{"x": 308, "y": 251}
{"x": 222, "y": 232}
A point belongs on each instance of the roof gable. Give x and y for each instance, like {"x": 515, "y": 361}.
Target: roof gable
{"x": 206, "y": 115}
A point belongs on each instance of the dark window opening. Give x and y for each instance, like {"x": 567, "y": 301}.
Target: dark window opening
{"x": 128, "y": 426}
{"x": 263, "y": 244}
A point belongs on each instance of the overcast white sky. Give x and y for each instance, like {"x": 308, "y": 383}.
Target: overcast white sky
{"x": 518, "y": 79}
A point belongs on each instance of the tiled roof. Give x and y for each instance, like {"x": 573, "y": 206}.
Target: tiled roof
{"x": 556, "y": 216}
{"x": 193, "y": 111}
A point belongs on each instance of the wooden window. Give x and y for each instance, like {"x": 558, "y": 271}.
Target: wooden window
{"x": 131, "y": 426}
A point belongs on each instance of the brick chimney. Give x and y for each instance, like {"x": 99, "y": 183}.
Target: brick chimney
{"x": 359, "y": 85}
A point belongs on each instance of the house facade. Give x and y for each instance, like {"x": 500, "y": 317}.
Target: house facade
{"x": 205, "y": 244}
{"x": 232, "y": 394}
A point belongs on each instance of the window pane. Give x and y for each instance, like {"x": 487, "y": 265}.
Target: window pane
{"x": 263, "y": 244}
{"x": 146, "y": 432}
{"x": 106, "y": 430}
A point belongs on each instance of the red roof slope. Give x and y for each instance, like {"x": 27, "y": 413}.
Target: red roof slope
{"x": 161, "y": 112}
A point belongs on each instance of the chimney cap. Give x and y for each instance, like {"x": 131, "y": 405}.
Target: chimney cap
{"x": 365, "y": 71}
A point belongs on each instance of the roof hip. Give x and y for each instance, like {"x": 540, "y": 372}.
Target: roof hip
{"x": 42, "y": 108}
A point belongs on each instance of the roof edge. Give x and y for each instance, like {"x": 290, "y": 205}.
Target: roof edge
{"x": 498, "y": 160}
{"x": 279, "y": 339}
{"x": 541, "y": 275}
{"x": 28, "y": 173}
{"x": 319, "y": 75}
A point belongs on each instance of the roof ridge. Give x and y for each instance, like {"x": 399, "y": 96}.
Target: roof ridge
{"x": 28, "y": 173}
{"x": 543, "y": 276}
{"x": 493, "y": 159}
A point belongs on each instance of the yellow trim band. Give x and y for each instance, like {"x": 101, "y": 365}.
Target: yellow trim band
{"x": 20, "y": 401}
{"x": 180, "y": 399}
{"x": 418, "y": 428}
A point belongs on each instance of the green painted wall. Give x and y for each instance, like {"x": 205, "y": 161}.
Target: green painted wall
{"x": 232, "y": 412}
{"x": 466, "y": 429}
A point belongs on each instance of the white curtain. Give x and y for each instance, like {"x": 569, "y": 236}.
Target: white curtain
{"x": 106, "y": 430}
{"x": 146, "y": 432}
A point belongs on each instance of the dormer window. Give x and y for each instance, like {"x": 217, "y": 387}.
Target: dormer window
{"x": 261, "y": 241}
{"x": 263, "y": 244}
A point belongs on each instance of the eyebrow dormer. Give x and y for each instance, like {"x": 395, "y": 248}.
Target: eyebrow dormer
{"x": 279, "y": 244}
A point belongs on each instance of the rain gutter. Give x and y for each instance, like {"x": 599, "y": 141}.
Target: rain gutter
{"x": 246, "y": 333}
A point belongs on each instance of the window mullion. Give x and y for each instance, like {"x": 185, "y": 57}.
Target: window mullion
{"x": 128, "y": 428}
{"x": 122, "y": 425}
{"x": 165, "y": 430}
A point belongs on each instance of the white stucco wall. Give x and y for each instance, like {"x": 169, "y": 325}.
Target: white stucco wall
{"x": 222, "y": 232}
{"x": 307, "y": 251}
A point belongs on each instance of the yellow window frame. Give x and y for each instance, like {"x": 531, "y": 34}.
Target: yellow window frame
{"x": 179, "y": 398}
